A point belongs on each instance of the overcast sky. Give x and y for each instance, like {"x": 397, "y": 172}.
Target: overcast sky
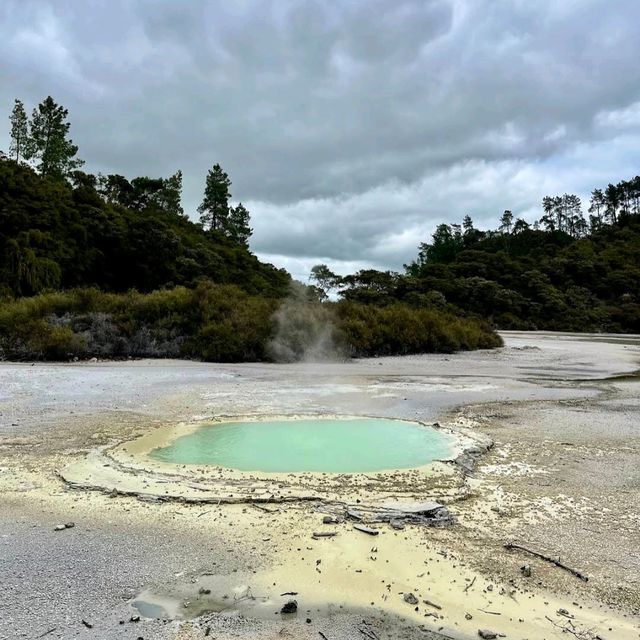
{"x": 349, "y": 129}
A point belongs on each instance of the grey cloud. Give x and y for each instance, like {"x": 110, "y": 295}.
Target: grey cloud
{"x": 352, "y": 128}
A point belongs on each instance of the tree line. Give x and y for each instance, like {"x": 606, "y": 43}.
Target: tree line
{"x": 61, "y": 227}
{"x": 559, "y": 273}
{"x": 43, "y": 143}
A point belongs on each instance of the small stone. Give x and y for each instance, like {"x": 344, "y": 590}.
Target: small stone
{"x": 329, "y": 520}
{"x": 134, "y": 619}
{"x": 468, "y": 616}
{"x": 397, "y": 524}
{"x": 487, "y": 635}
{"x": 204, "y": 592}
{"x": 290, "y": 607}
{"x": 526, "y": 571}
{"x": 69, "y": 525}
{"x": 308, "y": 620}
{"x": 409, "y": 598}
{"x": 59, "y": 527}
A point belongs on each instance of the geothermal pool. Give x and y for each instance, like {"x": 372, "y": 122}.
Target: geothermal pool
{"x": 324, "y": 445}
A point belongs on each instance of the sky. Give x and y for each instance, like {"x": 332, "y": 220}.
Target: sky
{"x": 349, "y": 129}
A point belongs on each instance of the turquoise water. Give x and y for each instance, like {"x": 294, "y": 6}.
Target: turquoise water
{"x": 331, "y": 445}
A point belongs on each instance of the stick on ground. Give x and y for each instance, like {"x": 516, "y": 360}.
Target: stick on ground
{"x": 470, "y": 584}
{"x": 557, "y": 563}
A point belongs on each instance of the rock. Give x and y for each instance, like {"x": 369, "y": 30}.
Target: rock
{"x": 397, "y": 524}
{"x": 59, "y": 527}
{"x": 369, "y": 530}
{"x": 487, "y": 635}
{"x": 290, "y": 607}
{"x": 69, "y": 525}
{"x": 412, "y": 507}
{"x": 204, "y": 592}
{"x": 465, "y": 462}
{"x": 526, "y": 570}
{"x": 329, "y": 520}
{"x": 468, "y": 616}
{"x": 409, "y": 598}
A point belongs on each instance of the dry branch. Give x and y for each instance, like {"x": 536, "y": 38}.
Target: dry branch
{"x": 557, "y": 563}
{"x": 470, "y": 584}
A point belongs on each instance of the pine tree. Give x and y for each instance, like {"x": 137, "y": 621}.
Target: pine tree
{"x": 612, "y": 202}
{"x": 520, "y": 225}
{"x": 214, "y": 209}
{"x": 506, "y": 222}
{"x": 49, "y": 146}
{"x": 171, "y": 194}
{"x": 597, "y": 205}
{"x": 237, "y": 227}
{"x": 549, "y": 205}
{"x": 19, "y": 132}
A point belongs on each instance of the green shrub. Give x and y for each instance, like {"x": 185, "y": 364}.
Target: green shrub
{"x": 225, "y": 324}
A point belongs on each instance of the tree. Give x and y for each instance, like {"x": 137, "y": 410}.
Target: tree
{"x": 597, "y": 205}
{"x": 520, "y": 225}
{"x": 575, "y": 224}
{"x": 506, "y": 221}
{"x": 170, "y": 198}
{"x": 115, "y": 189}
{"x": 370, "y": 286}
{"x": 635, "y": 195}
{"x": 612, "y": 202}
{"x": 237, "y": 227}
{"x": 49, "y": 144}
{"x": 214, "y": 209}
{"x": 325, "y": 279}
{"x": 18, "y": 147}
{"x": 563, "y": 213}
{"x": 444, "y": 246}
{"x": 549, "y": 206}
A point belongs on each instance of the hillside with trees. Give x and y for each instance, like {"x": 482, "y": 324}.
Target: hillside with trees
{"x": 563, "y": 272}
{"x": 110, "y": 266}
{"x": 62, "y": 228}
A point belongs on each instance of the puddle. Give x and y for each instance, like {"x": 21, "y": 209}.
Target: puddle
{"x": 318, "y": 444}
{"x": 216, "y": 594}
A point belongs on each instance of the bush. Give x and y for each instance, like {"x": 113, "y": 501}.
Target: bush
{"x": 223, "y": 323}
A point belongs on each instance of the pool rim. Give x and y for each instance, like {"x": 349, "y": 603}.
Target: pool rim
{"x": 134, "y": 452}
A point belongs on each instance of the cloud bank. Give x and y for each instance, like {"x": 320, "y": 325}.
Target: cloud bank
{"x": 350, "y": 129}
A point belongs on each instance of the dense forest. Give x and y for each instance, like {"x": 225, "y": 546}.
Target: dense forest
{"x": 107, "y": 266}
{"x": 560, "y": 273}
{"x": 62, "y": 228}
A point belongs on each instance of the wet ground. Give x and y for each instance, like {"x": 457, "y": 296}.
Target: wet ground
{"x": 563, "y": 478}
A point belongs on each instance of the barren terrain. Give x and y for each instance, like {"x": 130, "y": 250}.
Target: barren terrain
{"x": 196, "y": 552}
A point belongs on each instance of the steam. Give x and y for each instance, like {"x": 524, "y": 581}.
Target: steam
{"x": 304, "y": 330}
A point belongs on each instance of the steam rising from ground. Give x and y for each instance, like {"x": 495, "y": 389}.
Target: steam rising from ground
{"x": 304, "y": 330}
